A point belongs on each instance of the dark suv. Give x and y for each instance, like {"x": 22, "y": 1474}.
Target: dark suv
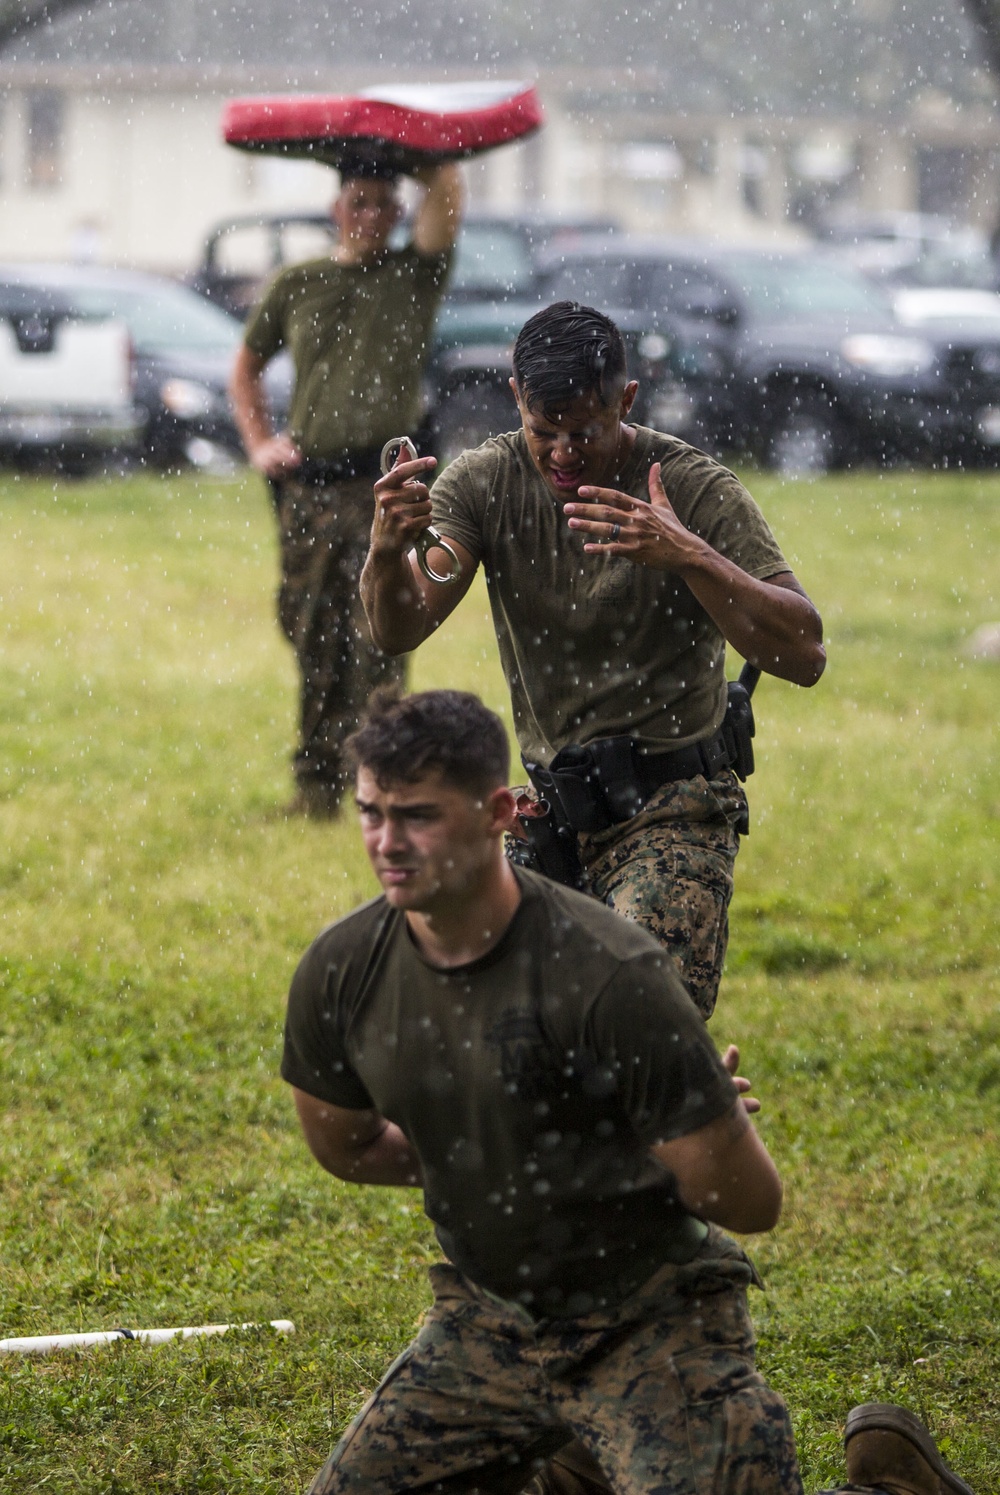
{"x": 793, "y": 357}
{"x": 491, "y": 292}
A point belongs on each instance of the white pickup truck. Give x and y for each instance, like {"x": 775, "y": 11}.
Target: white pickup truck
{"x": 65, "y": 381}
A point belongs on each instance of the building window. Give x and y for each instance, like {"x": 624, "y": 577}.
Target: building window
{"x": 942, "y": 175}
{"x": 46, "y": 114}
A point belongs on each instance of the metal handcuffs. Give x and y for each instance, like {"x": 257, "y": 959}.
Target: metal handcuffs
{"x": 430, "y": 538}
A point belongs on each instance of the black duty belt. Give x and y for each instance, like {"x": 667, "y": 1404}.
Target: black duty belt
{"x": 605, "y": 782}
{"x": 708, "y": 757}
{"x": 610, "y": 780}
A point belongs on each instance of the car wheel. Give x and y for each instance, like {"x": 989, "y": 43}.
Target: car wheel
{"x": 806, "y": 439}
{"x": 470, "y": 415}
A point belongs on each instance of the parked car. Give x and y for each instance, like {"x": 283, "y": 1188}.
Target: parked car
{"x": 468, "y": 374}
{"x": 491, "y": 293}
{"x": 182, "y": 352}
{"x": 964, "y": 326}
{"x": 941, "y": 307}
{"x": 917, "y": 249}
{"x": 496, "y": 257}
{"x": 793, "y": 356}
{"x": 241, "y": 254}
{"x": 66, "y": 394}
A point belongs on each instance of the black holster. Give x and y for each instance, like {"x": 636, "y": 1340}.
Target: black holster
{"x": 549, "y": 848}
{"x": 738, "y": 727}
{"x": 589, "y": 788}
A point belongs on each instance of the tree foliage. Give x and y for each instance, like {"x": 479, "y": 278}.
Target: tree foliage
{"x": 985, "y": 16}
{"x": 20, "y": 16}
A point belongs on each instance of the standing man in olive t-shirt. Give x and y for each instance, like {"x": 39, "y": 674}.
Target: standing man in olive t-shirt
{"x": 619, "y": 562}
{"x": 534, "y": 1064}
{"x": 357, "y": 325}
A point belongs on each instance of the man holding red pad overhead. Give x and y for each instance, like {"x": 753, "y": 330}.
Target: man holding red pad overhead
{"x": 358, "y": 325}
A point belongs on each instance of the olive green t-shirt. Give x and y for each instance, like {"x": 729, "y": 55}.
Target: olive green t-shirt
{"x": 593, "y": 645}
{"x": 531, "y": 1084}
{"x": 358, "y": 336}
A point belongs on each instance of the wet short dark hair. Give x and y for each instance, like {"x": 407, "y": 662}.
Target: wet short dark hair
{"x": 565, "y": 352}
{"x": 402, "y": 738}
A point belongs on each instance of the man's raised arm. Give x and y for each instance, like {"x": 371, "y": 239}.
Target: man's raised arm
{"x": 403, "y": 606}
{"x": 437, "y": 219}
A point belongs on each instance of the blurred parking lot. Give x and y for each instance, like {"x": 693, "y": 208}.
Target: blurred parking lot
{"x": 827, "y": 355}
{"x": 178, "y": 351}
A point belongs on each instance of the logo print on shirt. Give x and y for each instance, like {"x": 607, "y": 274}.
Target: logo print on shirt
{"x": 523, "y": 1066}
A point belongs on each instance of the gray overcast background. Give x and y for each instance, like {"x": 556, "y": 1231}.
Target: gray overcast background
{"x": 774, "y": 56}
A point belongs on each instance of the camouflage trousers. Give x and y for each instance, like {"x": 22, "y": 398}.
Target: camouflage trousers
{"x": 661, "y": 1394}
{"x": 671, "y": 870}
{"x": 324, "y": 535}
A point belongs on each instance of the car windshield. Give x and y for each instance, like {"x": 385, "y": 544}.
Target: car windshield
{"x": 594, "y": 282}
{"x": 790, "y": 287}
{"x": 941, "y": 265}
{"x": 20, "y": 301}
{"x": 161, "y": 319}
{"x": 490, "y": 258}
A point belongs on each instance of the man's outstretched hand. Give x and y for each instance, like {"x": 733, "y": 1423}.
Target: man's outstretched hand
{"x": 771, "y": 622}
{"x": 650, "y": 534}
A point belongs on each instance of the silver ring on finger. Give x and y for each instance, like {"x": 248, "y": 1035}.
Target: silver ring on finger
{"x": 616, "y": 530}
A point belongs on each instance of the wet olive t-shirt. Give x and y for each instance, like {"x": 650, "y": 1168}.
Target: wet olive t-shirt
{"x": 358, "y": 335}
{"x": 531, "y": 1084}
{"x": 593, "y": 645}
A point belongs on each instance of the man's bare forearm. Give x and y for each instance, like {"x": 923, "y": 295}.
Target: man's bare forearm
{"x": 394, "y": 604}
{"x": 772, "y": 623}
{"x": 775, "y": 627}
{"x": 440, "y": 213}
{"x": 274, "y": 455}
{"x": 249, "y": 401}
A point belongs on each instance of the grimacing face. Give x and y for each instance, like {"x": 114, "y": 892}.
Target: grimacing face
{"x": 427, "y": 840}
{"x": 577, "y": 445}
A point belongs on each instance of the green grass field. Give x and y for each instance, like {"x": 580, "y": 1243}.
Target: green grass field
{"x": 153, "y": 907}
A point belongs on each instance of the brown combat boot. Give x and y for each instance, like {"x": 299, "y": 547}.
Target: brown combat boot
{"x": 889, "y": 1449}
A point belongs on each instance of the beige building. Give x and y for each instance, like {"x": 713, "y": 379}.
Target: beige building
{"x": 129, "y": 167}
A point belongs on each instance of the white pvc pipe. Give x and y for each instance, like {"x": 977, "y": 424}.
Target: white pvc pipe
{"x": 41, "y": 1344}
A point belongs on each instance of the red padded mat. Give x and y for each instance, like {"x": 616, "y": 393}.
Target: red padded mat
{"x": 395, "y": 127}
